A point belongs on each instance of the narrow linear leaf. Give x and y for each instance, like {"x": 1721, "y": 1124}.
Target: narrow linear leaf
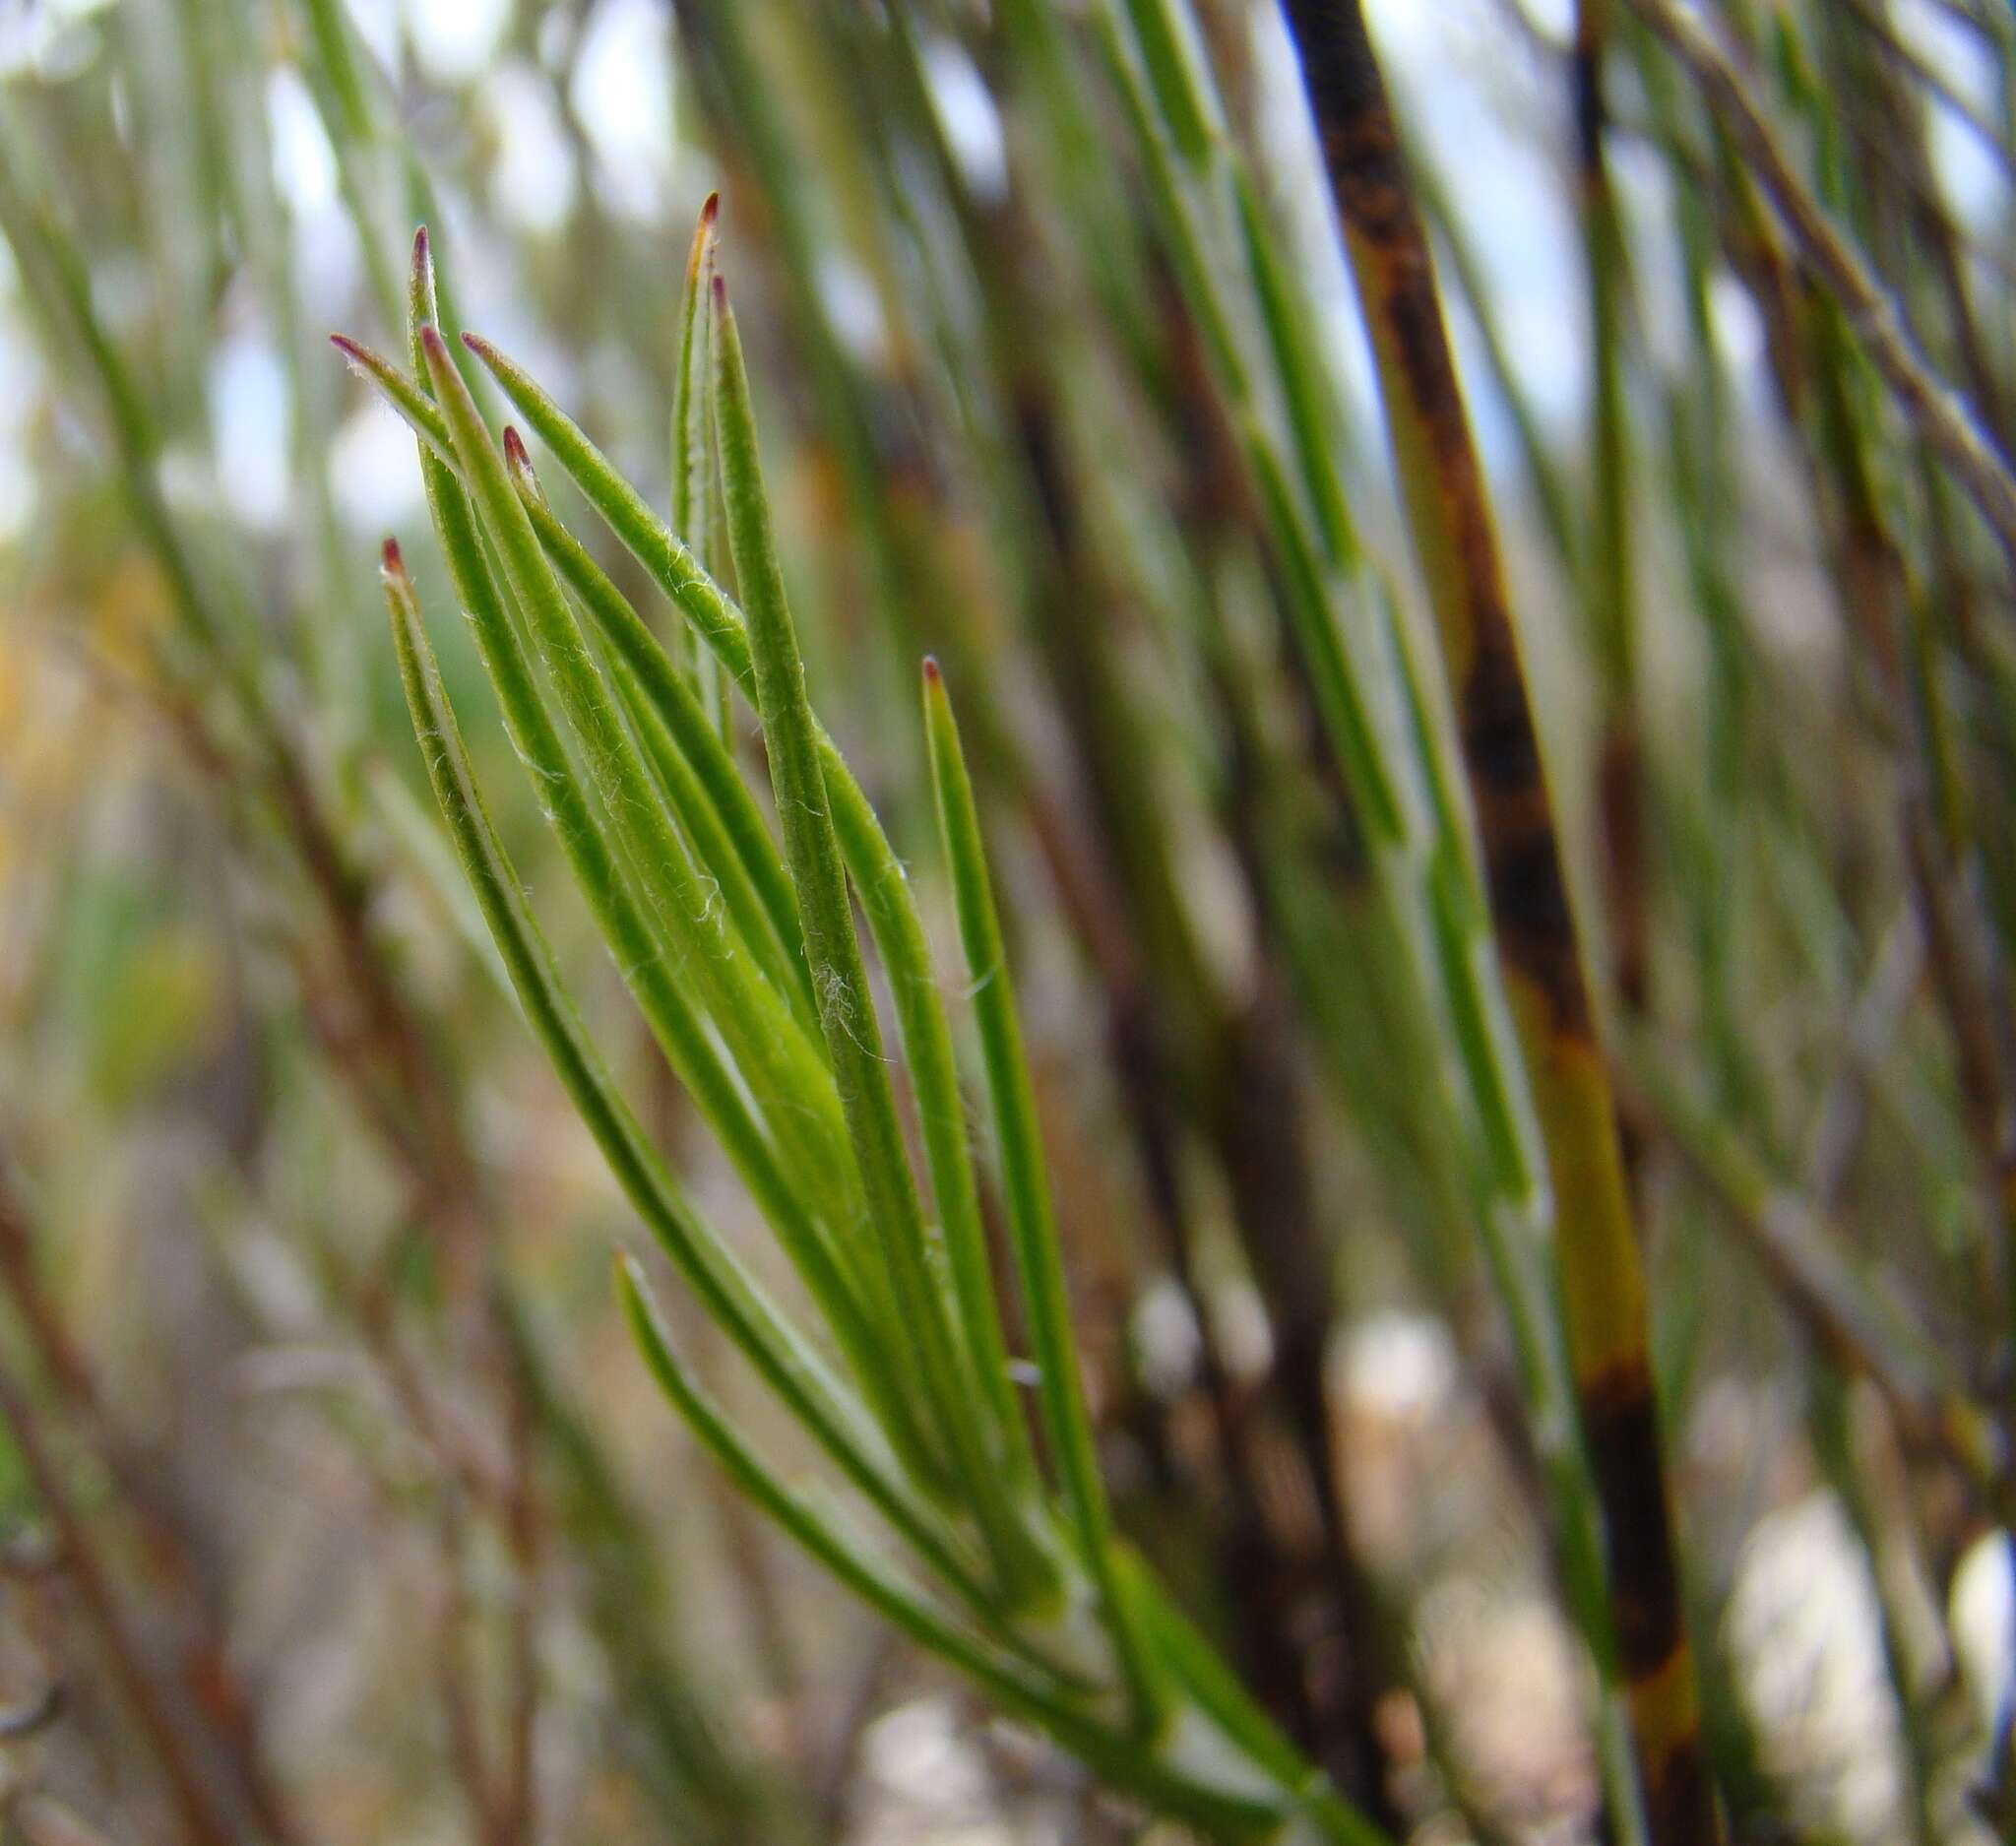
{"x": 688, "y": 1047}
{"x": 691, "y": 768}
{"x": 792, "y": 1368}
{"x": 871, "y": 863}
{"x": 853, "y": 1035}
{"x": 1260, "y": 1814}
{"x": 1023, "y": 1182}
{"x": 784, "y": 1069}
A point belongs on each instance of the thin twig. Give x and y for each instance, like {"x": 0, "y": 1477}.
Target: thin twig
{"x": 1838, "y": 1119}
{"x": 1947, "y": 419}
{"x": 1870, "y": 17}
{"x": 155, "y": 1704}
{"x": 166, "y": 1527}
{"x": 1800, "y": 1252}
{"x": 376, "y": 1044}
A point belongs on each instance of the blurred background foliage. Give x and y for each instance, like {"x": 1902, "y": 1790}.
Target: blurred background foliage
{"x": 335, "y": 1502}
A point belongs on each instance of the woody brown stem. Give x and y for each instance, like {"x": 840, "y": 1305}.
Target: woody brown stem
{"x": 1601, "y": 1277}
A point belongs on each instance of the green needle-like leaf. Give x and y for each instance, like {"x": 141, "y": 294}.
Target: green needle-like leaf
{"x": 690, "y": 764}
{"x": 692, "y": 443}
{"x": 1143, "y": 1700}
{"x": 661, "y": 552}
{"x": 853, "y": 1035}
{"x": 1024, "y": 1180}
{"x": 781, "y": 1066}
{"x": 876, "y": 871}
{"x": 883, "y": 888}
{"x": 690, "y": 1050}
{"x": 1256, "y": 1812}
{"x": 789, "y": 1365}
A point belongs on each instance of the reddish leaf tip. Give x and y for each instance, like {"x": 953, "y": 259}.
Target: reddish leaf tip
{"x": 420, "y": 250}
{"x": 720, "y": 290}
{"x": 514, "y": 448}
{"x": 932, "y": 677}
{"x": 710, "y": 209}
{"x": 477, "y": 345}
{"x": 394, "y": 564}
{"x": 436, "y": 347}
